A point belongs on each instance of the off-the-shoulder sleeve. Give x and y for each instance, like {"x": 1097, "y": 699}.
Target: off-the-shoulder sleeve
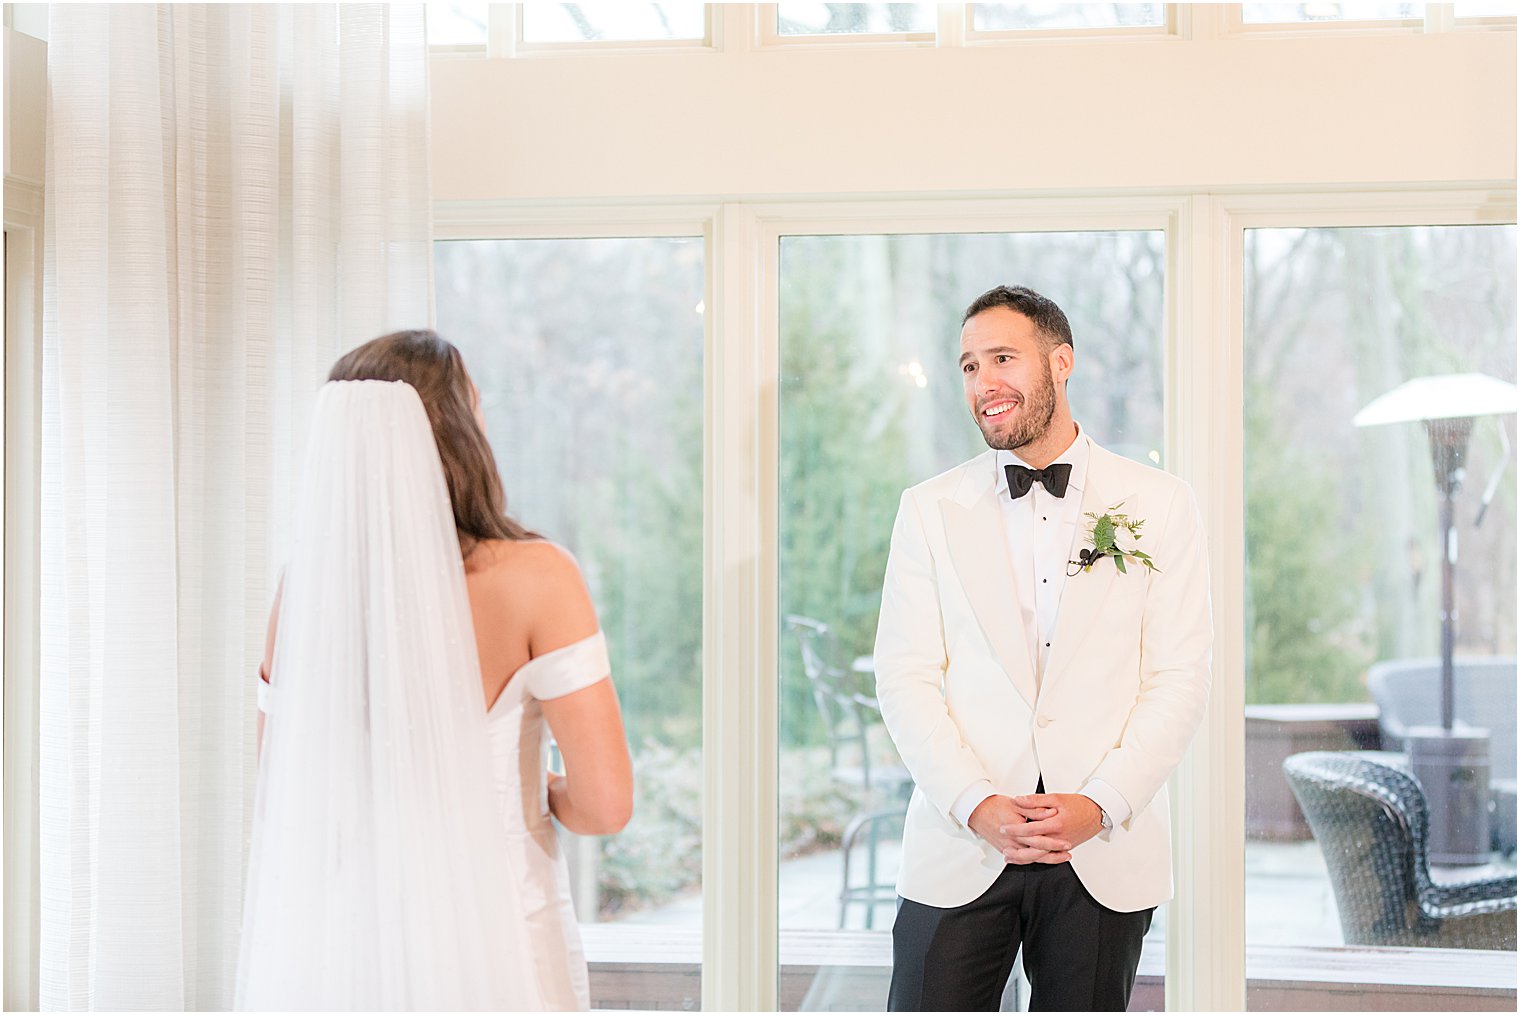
{"x": 568, "y": 669}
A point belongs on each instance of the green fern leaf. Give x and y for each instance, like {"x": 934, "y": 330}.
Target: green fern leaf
{"x": 1103, "y": 534}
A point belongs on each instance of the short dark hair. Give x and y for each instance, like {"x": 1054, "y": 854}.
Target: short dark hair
{"x": 1049, "y": 320}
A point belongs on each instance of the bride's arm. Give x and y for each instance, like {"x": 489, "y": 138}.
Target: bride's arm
{"x": 268, "y": 661}
{"x": 595, "y": 796}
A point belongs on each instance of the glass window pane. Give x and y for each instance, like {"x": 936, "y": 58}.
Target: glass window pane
{"x": 1344, "y": 591}
{"x": 1484, "y": 10}
{"x": 1256, "y": 14}
{"x": 871, "y": 402}
{"x": 1005, "y": 17}
{"x": 451, "y": 24}
{"x": 612, "y": 22}
{"x": 588, "y": 356}
{"x": 854, "y": 19}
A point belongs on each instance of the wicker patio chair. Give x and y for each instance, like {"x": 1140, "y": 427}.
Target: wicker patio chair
{"x": 1370, "y": 822}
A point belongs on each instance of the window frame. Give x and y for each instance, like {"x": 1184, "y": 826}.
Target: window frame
{"x": 745, "y": 26}
{"x": 1094, "y": 212}
{"x": 505, "y": 40}
{"x": 754, "y": 26}
{"x": 1171, "y": 27}
{"x": 1484, "y": 23}
{"x": 741, "y": 476}
{"x": 1437, "y": 18}
{"x": 1477, "y": 204}
{"x": 466, "y": 50}
{"x": 767, "y": 27}
{"x": 520, "y": 46}
{"x": 1206, "y": 945}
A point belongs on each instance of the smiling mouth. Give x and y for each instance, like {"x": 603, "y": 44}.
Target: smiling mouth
{"x": 998, "y": 409}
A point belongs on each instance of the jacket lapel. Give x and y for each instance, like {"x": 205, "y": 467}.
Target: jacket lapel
{"x": 979, "y": 553}
{"x": 1079, "y": 615}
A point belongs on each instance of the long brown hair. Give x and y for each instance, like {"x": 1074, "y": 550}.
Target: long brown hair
{"x": 434, "y": 367}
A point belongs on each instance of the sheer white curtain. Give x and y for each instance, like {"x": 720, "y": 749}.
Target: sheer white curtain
{"x": 235, "y": 195}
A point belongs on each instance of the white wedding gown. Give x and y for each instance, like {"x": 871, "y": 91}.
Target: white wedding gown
{"x": 519, "y": 753}
{"x": 384, "y": 872}
{"x": 519, "y": 743}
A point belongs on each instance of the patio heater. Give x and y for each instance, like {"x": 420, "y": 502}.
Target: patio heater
{"x": 1450, "y": 761}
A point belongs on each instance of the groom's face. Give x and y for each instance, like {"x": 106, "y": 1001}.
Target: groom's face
{"x": 1006, "y": 369}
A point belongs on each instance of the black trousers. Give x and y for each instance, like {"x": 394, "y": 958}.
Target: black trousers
{"x": 1078, "y": 955}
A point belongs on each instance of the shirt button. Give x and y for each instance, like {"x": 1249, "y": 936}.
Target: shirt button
{"x": 1044, "y": 581}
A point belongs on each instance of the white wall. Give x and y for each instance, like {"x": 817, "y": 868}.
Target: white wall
{"x": 25, "y": 106}
{"x": 1240, "y": 111}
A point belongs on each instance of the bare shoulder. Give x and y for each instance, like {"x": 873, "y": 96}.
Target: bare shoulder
{"x": 539, "y": 582}
{"x": 517, "y": 556}
{"x": 532, "y": 567}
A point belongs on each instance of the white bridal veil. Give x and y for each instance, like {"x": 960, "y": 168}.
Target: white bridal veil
{"x": 378, "y": 878}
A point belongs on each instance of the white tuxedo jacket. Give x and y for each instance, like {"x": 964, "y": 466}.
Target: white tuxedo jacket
{"x": 1125, "y": 686}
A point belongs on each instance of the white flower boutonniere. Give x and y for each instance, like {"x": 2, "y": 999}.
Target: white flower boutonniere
{"x": 1103, "y": 534}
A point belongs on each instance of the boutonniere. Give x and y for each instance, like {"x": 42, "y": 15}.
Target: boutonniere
{"x": 1103, "y": 534}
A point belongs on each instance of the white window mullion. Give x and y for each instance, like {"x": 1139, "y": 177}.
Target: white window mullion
{"x": 1440, "y": 18}
{"x": 739, "y": 642}
{"x": 954, "y": 20}
{"x": 1204, "y": 21}
{"x": 501, "y": 30}
{"x": 1205, "y": 932}
{"x": 735, "y": 28}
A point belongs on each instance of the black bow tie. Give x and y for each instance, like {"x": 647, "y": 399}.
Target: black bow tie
{"x": 1052, "y": 477}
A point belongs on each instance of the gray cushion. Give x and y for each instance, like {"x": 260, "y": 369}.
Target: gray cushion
{"x": 1408, "y": 693}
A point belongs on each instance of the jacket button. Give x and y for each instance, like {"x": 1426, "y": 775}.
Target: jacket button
{"x": 1044, "y": 721}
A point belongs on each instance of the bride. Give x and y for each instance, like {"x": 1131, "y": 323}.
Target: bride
{"x": 403, "y": 855}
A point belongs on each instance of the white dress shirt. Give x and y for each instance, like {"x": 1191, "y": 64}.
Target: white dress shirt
{"x": 1040, "y": 529}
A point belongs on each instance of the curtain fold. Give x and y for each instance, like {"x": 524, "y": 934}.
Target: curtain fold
{"x": 235, "y": 195}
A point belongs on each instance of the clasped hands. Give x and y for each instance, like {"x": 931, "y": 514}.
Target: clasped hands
{"x": 1039, "y": 827}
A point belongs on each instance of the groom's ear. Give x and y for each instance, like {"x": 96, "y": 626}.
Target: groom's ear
{"x": 1063, "y": 359}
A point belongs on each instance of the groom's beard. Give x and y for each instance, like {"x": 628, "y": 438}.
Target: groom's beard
{"x": 1031, "y": 419}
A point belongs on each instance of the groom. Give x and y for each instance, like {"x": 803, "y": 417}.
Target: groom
{"x": 1040, "y": 704}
